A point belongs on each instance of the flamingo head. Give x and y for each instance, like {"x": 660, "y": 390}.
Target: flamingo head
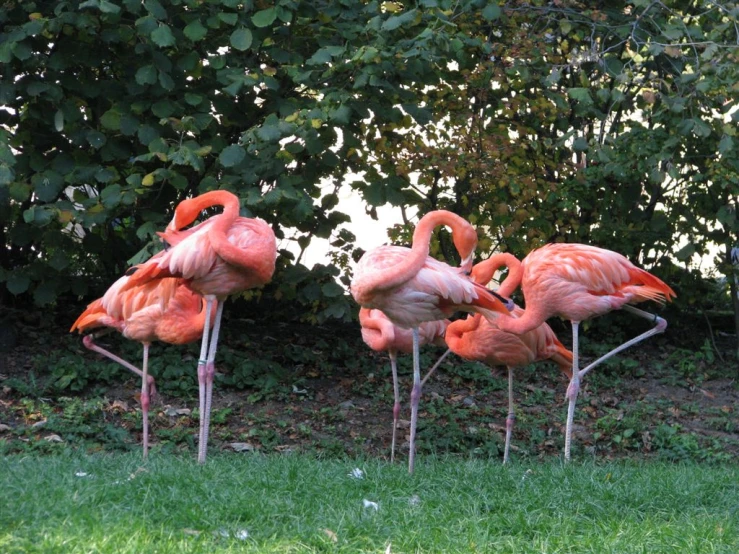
{"x": 186, "y": 212}
{"x": 465, "y": 241}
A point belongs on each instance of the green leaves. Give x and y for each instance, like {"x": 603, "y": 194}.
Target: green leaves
{"x": 264, "y": 18}
{"x": 232, "y": 155}
{"x": 241, "y": 39}
{"x": 146, "y": 75}
{"x": 163, "y": 36}
{"x": 195, "y": 31}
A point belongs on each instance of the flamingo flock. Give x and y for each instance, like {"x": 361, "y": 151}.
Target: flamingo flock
{"x": 406, "y": 300}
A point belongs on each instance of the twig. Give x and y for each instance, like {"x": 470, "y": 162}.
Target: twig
{"x": 713, "y": 341}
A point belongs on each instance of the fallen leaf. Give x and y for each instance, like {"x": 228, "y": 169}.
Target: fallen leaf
{"x": 707, "y": 393}
{"x": 370, "y": 504}
{"x": 173, "y": 412}
{"x": 136, "y": 473}
{"x": 242, "y": 446}
{"x": 53, "y": 438}
{"x": 331, "y": 535}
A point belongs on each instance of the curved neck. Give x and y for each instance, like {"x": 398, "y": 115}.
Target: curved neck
{"x": 455, "y": 332}
{"x": 377, "y": 331}
{"x": 465, "y": 240}
{"x": 188, "y": 210}
{"x": 483, "y": 272}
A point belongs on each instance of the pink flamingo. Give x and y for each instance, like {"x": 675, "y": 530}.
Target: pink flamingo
{"x": 224, "y": 255}
{"x": 476, "y": 338}
{"x": 379, "y": 333}
{"x": 410, "y": 287}
{"x": 166, "y": 310}
{"x": 578, "y": 282}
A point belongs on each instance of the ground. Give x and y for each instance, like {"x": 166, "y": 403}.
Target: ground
{"x": 318, "y": 388}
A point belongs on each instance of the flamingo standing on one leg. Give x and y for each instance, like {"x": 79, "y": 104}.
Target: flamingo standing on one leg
{"x": 166, "y": 310}
{"x": 379, "y": 333}
{"x": 578, "y": 282}
{"x": 410, "y": 287}
{"x": 479, "y": 339}
{"x": 224, "y": 255}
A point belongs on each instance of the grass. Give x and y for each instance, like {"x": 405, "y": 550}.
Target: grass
{"x": 74, "y": 502}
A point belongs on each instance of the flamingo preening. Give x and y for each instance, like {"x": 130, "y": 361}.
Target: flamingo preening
{"x": 477, "y": 338}
{"x": 578, "y": 282}
{"x": 224, "y": 255}
{"x": 166, "y": 310}
{"x": 380, "y": 334}
{"x": 410, "y": 288}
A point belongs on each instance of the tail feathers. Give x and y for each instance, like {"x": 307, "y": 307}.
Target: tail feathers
{"x": 94, "y": 316}
{"x": 653, "y": 288}
{"x": 563, "y": 358}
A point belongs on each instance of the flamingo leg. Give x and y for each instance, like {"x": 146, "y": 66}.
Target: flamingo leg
{"x": 435, "y": 366}
{"x": 210, "y": 371}
{"x": 201, "y": 371}
{"x": 90, "y": 345}
{"x": 396, "y": 405}
{"x": 659, "y": 327}
{"x": 572, "y": 390}
{"x": 511, "y": 417}
{"x": 415, "y": 397}
{"x": 145, "y": 401}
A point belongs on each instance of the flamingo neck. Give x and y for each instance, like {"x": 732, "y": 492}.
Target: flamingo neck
{"x": 455, "y": 333}
{"x": 419, "y": 250}
{"x": 484, "y": 271}
{"x": 377, "y": 332}
{"x": 189, "y": 210}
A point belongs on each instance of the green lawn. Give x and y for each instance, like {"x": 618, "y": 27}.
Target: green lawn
{"x": 296, "y": 503}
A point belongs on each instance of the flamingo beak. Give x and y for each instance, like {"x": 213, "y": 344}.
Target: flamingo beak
{"x": 507, "y": 302}
{"x": 466, "y": 265}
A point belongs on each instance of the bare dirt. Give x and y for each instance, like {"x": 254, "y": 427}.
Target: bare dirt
{"x": 659, "y": 400}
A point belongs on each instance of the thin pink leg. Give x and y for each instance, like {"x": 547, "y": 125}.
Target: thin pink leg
{"x": 577, "y": 374}
{"x": 145, "y": 400}
{"x": 202, "y": 361}
{"x": 511, "y": 417}
{"x": 572, "y": 390}
{"x": 415, "y": 398}
{"x": 396, "y": 405}
{"x": 87, "y": 340}
{"x": 435, "y": 366}
{"x": 659, "y": 327}
{"x": 210, "y": 371}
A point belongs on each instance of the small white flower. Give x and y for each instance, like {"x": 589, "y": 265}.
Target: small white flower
{"x": 370, "y": 504}
{"x": 414, "y": 500}
{"x": 356, "y": 473}
{"x": 242, "y": 534}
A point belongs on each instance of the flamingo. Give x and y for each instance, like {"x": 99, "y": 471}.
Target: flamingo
{"x": 410, "y": 287}
{"x": 578, "y": 282}
{"x": 379, "y": 333}
{"x": 166, "y": 310}
{"x": 476, "y": 338}
{"x": 224, "y": 255}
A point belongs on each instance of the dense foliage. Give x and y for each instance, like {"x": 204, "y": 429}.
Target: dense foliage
{"x": 611, "y": 123}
